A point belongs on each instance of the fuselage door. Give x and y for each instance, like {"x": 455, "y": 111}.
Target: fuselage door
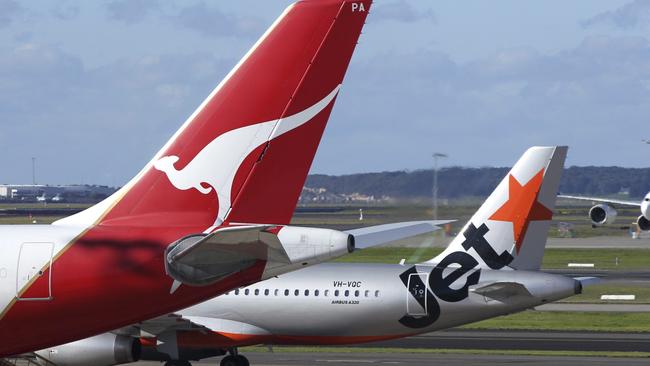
{"x": 416, "y": 298}
{"x": 34, "y": 262}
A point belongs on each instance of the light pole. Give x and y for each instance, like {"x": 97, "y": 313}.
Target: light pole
{"x": 436, "y": 156}
{"x": 34, "y": 171}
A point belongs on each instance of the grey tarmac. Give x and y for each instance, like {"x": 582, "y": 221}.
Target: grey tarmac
{"x": 524, "y": 340}
{"x": 413, "y": 359}
{"x": 614, "y": 308}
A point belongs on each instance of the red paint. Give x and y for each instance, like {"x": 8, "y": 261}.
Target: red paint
{"x": 198, "y": 340}
{"x": 522, "y": 206}
{"x": 114, "y": 274}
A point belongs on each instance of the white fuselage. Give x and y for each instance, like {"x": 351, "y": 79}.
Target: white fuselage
{"x": 25, "y": 251}
{"x": 364, "y": 301}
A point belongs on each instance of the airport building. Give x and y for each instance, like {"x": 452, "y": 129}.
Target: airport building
{"x": 48, "y": 193}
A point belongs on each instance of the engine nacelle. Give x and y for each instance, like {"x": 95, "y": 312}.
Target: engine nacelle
{"x": 307, "y": 246}
{"x": 315, "y": 244}
{"x": 644, "y": 224}
{"x": 103, "y": 350}
{"x": 602, "y": 214}
{"x": 645, "y": 206}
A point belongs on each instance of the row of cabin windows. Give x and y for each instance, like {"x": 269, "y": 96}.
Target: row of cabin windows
{"x": 315, "y": 293}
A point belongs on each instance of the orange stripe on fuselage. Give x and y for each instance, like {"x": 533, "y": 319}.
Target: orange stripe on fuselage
{"x": 198, "y": 340}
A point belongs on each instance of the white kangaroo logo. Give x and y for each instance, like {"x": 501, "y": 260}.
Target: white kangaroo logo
{"x": 216, "y": 165}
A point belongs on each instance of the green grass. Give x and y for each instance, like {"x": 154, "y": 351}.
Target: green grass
{"x": 602, "y": 258}
{"x": 389, "y": 255}
{"x": 591, "y": 294}
{"x": 554, "y": 258}
{"x": 22, "y": 220}
{"x": 565, "y": 321}
{"x": 442, "y": 351}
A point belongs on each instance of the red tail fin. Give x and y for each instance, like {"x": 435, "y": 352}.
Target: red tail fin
{"x": 243, "y": 156}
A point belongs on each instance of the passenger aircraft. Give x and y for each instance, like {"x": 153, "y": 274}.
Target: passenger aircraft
{"x": 603, "y": 213}
{"x": 208, "y": 214}
{"x": 488, "y": 270}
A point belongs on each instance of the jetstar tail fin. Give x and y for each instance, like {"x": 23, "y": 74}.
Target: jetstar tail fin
{"x": 510, "y": 229}
{"x": 244, "y": 154}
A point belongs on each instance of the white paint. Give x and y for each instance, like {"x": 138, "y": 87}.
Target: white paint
{"x": 581, "y": 265}
{"x": 216, "y": 165}
{"x": 11, "y": 239}
{"x": 501, "y": 234}
{"x": 32, "y": 258}
{"x": 618, "y": 297}
{"x": 358, "y": 7}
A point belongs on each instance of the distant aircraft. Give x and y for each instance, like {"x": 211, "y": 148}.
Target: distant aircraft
{"x": 209, "y": 213}
{"x": 603, "y": 213}
{"x": 646, "y": 141}
{"x": 490, "y": 269}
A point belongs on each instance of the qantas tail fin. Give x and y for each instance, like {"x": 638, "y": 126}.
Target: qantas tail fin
{"x": 511, "y": 227}
{"x": 244, "y": 154}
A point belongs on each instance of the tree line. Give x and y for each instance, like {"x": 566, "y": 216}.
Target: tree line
{"x": 458, "y": 182}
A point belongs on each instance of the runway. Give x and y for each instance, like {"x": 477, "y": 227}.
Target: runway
{"x": 599, "y": 242}
{"x": 524, "y": 340}
{"x": 414, "y": 359}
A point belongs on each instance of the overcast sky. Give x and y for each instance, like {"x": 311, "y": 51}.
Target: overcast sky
{"x": 93, "y": 89}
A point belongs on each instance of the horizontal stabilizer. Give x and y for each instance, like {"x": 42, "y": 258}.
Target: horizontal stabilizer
{"x": 381, "y": 234}
{"x": 502, "y": 291}
{"x": 203, "y": 259}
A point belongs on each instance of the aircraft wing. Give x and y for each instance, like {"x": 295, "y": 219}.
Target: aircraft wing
{"x": 604, "y": 200}
{"x": 371, "y": 236}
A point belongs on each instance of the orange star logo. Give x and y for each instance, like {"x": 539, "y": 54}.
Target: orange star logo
{"x": 522, "y": 207}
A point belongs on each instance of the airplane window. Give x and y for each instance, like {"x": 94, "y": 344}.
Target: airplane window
{"x": 306, "y": 292}
{"x": 237, "y": 292}
{"x": 347, "y": 293}
{"x": 296, "y": 293}
{"x": 266, "y": 292}
{"x": 356, "y": 293}
{"x": 276, "y": 292}
{"x": 286, "y": 292}
{"x": 367, "y": 293}
{"x": 327, "y": 293}
{"x": 257, "y": 291}
{"x": 315, "y": 292}
{"x": 377, "y": 293}
{"x": 247, "y": 291}
{"x": 336, "y": 293}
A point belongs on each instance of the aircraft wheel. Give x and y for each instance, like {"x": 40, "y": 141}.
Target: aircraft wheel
{"x": 242, "y": 361}
{"x": 229, "y": 361}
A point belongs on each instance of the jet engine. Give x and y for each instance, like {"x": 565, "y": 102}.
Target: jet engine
{"x": 644, "y": 224}
{"x": 602, "y": 214}
{"x": 102, "y": 350}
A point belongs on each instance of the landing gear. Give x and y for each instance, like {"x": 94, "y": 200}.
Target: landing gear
{"x": 234, "y": 359}
{"x": 178, "y": 363}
